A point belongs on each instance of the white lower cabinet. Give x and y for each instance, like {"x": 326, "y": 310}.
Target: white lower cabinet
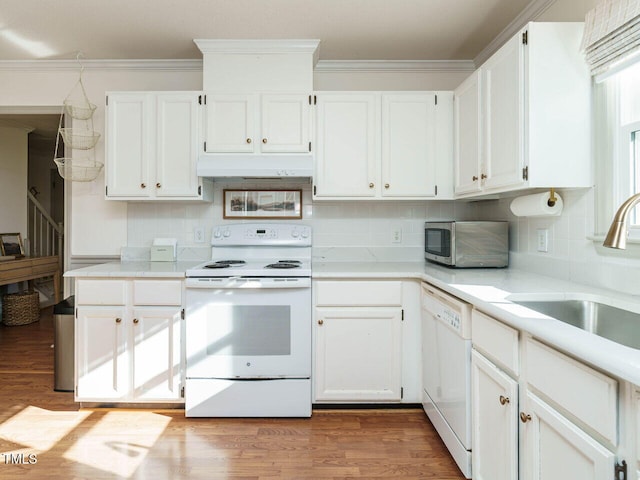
{"x": 358, "y": 341}
{"x": 549, "y": 417}
{"x": 554, "y": 448}
{"x": 494, "y": 410}
{"x": 130, "y": 352}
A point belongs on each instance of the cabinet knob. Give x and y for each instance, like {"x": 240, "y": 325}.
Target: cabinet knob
{"x": 504, "y": 400}
{"x": 483, "y": 176}
{"x": 248, "y": 140}
{"x": 264, "y": 140}
{"x": 320, "y": 322}
{"x": 524, "y": 418}
{"x": 386, "y": 185}
{"x": 474, "y": 178}
{"x": 118, "y": 320}
{"x": 136, "y": 321}
{"x": 158, "y": 185}
{"x": 371, "y": 185}
{"x": 143, "y": 185}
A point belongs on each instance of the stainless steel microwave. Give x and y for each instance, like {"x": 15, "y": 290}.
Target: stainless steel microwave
{"x": 467, "y": 244}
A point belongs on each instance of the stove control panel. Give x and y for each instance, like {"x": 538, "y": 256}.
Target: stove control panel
{"x": 261, "y": 234}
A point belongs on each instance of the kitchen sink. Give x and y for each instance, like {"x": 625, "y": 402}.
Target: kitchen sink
{"x": 615, "y": 324}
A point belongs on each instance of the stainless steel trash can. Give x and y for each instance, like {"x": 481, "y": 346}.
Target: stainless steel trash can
{"x": 63, "y": 345}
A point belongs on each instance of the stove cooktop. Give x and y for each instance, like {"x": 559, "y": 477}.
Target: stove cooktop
{"x": 247, "y": 268}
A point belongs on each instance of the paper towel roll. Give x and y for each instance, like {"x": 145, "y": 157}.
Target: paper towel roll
{"x": 536, "y": 205}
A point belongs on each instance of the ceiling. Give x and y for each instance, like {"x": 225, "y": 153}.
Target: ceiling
{"x": 165, "y": 29}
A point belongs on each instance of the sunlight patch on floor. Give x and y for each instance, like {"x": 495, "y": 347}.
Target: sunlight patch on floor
{"x": 39, "y": 429}
{"x": 119, "y": 442}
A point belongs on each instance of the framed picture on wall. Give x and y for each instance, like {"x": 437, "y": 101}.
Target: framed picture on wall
{"x": 11, "y": 244}
{"x": 263, "y": 204}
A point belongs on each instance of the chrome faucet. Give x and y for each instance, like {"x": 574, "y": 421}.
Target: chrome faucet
{"x": 617, "y": 235}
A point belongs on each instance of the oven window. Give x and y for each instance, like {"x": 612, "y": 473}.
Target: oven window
{"x": 249, "y": 330}
{"x": 437, "y": 241}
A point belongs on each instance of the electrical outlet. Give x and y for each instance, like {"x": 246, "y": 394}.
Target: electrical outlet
{"x": 543, "y": 240}
{"x": 198, "y": 234}
{"x": 396, "y": 235}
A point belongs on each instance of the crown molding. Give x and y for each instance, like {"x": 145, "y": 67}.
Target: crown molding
{"x": 156, "y": 65}
{"x": 395, "y": 66}
{"x": 260, "y": 47}
{"x": 533, "y": 10}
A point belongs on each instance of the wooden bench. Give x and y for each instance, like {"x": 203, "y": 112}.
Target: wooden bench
{"x": 30, "y": 268}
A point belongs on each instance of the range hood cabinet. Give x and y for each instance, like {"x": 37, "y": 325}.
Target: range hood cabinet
{"x": 255, "y": 166}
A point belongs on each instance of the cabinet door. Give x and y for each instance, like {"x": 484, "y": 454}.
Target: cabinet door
{"x": 408, "y": 145}
{"x": 285, "y": 123}
{"x": 230, "y": 123}
{"x": 157, "y": 355}
{"x": 347, "y": 154}
{"x": 503, "y": 86}
{"x": 468, "y": 132}
{"x": 102, "y": 354}
{"x": 130, "y": 146}
{"x": 495, "y": 421}
{"x": 556, "y": 449}
{"x": 358, "y": 354}
{"x": 177, "y": 145}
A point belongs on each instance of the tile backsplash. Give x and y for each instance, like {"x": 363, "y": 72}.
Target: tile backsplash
{"x": 364, "y": 230}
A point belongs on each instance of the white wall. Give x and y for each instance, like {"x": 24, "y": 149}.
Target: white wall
{"x": 13, "y": 180}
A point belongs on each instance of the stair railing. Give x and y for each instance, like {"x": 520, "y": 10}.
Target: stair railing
{"x": 45, "y": 236}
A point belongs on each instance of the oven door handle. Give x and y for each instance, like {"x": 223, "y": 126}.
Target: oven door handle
{"x": 248, "y": 282}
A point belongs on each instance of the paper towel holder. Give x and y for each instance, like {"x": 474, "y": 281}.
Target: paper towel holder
{"x": 552, "y": 198}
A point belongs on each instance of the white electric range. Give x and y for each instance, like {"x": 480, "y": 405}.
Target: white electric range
{"x": 248, "y": 324}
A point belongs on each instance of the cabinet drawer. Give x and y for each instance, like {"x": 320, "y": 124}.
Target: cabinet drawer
{"x": 580, "y": 391}
{"x": 354, "y": 294}
{"x": 101, "y": 292}
{"x": 496, "y": 340}
{"x": 157, "y": 292}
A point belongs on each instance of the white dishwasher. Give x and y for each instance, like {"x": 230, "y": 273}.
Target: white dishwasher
{"x": 446, "y": 371}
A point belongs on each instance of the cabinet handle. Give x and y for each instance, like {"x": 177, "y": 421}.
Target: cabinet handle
{"x": 264, "y": 140}
{"x": 524, "y": 418}
{"x": 158, "y": 185}
{"x": 483, "y": 176}
{"x": 118, "y": 320}
{"x": 386, "y": 185}
{"x": 143, "y": 185}
{"x": 504, "y": 400}
{"x": 371, "y": 185}
{"x": 474, "y": 178}
{"x": 248, "y": 140}
{"x": 320, "y": 322}
{"x": 136, "y": 321}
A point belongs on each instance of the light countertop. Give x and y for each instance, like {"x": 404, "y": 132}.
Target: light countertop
{"x": 134, "y": 269}
{"x": 489, "y": 290}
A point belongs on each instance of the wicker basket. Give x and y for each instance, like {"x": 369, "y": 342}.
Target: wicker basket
{"x": 20, "y": 308}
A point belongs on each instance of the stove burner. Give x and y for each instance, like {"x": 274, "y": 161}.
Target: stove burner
{"x": 230, "y": 262}
{"x": 282, "y": 265}
{"x": 217, "y": 265}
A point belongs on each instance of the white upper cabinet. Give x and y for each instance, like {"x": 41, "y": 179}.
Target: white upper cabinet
{"x": 534, "y": 111}
{"x": 347, "y": 154}
{"x": 372, "y": 145}
{"x": 468, "y": 134}
{"x": 152, "y": 146}
{"x": 257, "y": 123}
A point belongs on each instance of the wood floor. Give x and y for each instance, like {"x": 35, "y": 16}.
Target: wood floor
{"x": 43, "y": 434}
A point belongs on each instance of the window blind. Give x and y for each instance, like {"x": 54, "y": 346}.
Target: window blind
{"x": 611, "y": 34}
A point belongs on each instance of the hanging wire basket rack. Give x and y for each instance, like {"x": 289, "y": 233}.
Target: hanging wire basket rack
{"x": 81, "y": 169}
